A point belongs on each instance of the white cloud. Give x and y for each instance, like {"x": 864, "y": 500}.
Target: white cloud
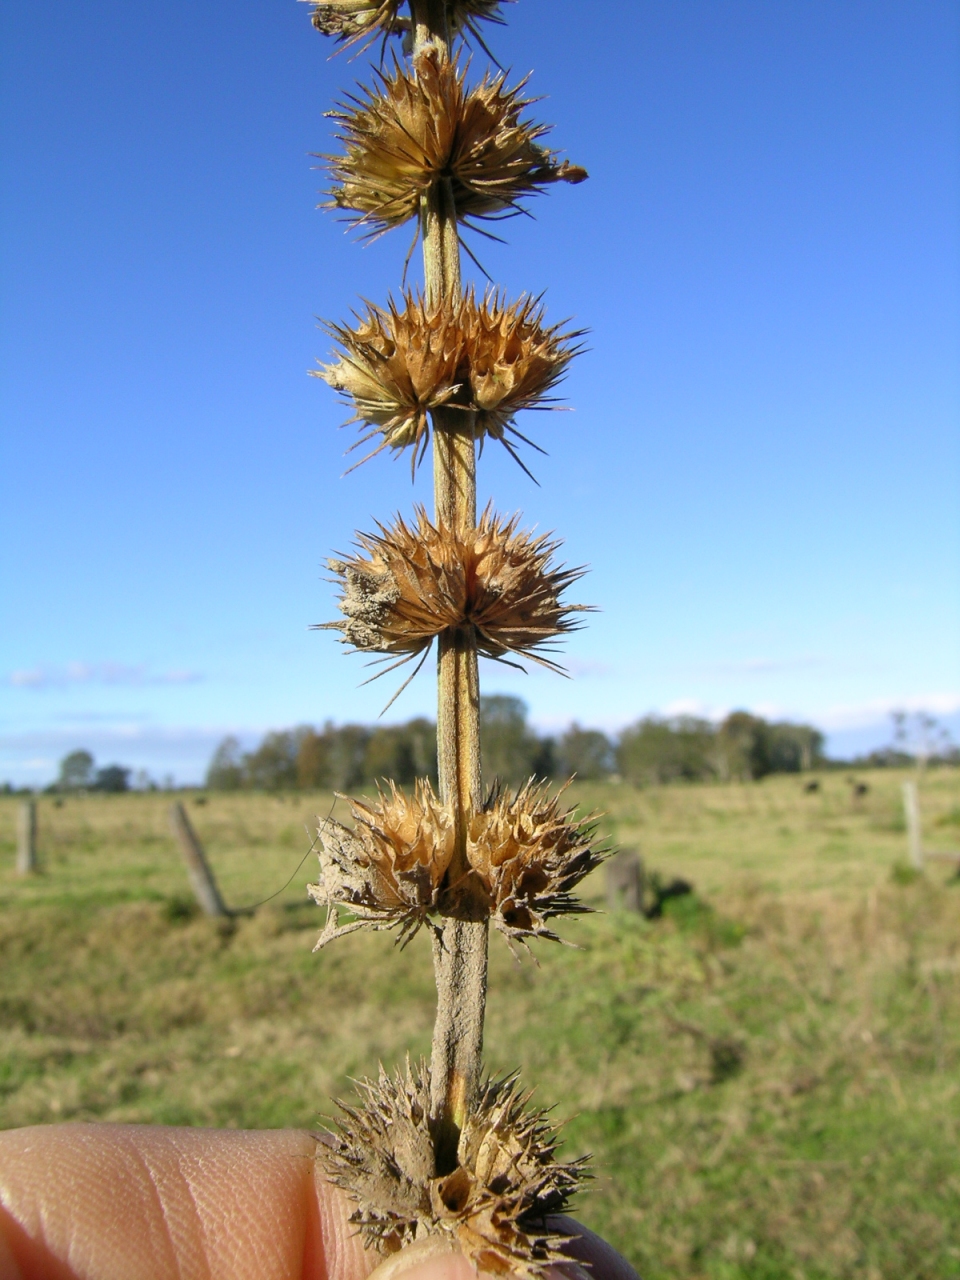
{"x": 34, "y": 679}
{"x": 693, "y": 707}
{"x": 759, "y": 666}
{"x": 98, "y": 673}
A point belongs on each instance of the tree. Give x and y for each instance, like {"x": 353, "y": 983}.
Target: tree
{"x": 76, "y": 771}
{"x": 313, "y": 760}
{"x": 225, "y": 772}
{"x": 273, "y": 766}
{"x": 403, "y": 752}
{"x": 657, "y": 750}
{"x": 388, "y": 755}
{"x": 588, "y": 753}
{"x": 113, "y": 777}
{"x": 744, "y": 746}
{"x": 794, "y": 748}
{"x": 348, "y": 751}
{"x": 922, "y": 738}
{"x": 512, "y": 752}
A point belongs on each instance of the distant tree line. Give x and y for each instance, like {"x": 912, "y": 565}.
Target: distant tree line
{"x": 79, "y": 772}
{"x": 654, "y": 750}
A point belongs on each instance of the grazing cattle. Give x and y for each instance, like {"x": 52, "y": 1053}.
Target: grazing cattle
{"x": 812, "y": 786}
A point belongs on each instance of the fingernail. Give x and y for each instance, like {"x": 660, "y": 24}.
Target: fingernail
{"x": 431, "y": 1258}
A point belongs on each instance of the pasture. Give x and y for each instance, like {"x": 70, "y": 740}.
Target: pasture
{"x": 768, "y": 1077}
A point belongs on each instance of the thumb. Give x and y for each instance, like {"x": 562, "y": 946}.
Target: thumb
{"x": 438, "y": 1258}
{"x": 434, "y": 1258}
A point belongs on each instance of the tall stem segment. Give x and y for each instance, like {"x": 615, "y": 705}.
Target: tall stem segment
{"x": 460, "y": 953}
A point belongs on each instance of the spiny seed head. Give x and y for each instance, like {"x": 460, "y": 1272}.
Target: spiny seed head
{"x": 409, "y": 584}
{"x": 492, "y": 1205}
{"x": 398, "y": 364}
{"x": 530, "y": 853}
{"x": 485, "y": 359}
{"x": 511, "y": 359}
{"x": 352, "y": 20}
{"x": 388, "y": 871}
{"x": 417, "y": 127}
{"x": 525, "y": 854}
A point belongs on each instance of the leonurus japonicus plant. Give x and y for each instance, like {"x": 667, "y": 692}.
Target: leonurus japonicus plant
{"x": 440, "y": 1149}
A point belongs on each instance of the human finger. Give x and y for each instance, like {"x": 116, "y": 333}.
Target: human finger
{"x": 143, "y": 1202}
{"x": 138, "y": 1202}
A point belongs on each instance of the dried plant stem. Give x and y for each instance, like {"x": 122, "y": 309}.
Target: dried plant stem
{"x": 460, "y": 953}
{"x": 430, "y": 26}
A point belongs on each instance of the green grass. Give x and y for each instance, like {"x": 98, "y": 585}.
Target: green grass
{"x": 768, "y": 1077}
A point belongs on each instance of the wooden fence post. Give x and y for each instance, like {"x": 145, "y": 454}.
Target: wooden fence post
{"x": 625, "y": 882}
{"x": 27, "y": 838}
{"x": 911, "y": 809}
{"x": 198, "y": 869}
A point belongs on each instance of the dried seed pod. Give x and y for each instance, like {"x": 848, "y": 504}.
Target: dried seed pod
{"x": 416, "y": 128}
{"x": 529, "y": 854}
{"x": 487, "y": 358}
{"x": 492, "y": 1205}
{"x": 463, "y": 15}
{"x": 397, "y": 366}
{"x": 408, "y": 585}
{"x": 388, "y": 871}
{"x": 511, "y": 361}
{"x": 352, "y": 20}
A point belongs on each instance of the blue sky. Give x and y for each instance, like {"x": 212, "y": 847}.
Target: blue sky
{"x": 762, "y": 465}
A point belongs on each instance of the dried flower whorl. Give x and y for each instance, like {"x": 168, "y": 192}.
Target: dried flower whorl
{"x": 407, "y": 585}
{"x": 397, "y": 366}
{"x": 511, "y": 360}
{"x": 416, "y": 128}
{"x": 529, "y": 854}
{"x": 487, "y": 358}
{"x": 388, "y": 871}
{"x": 351, "y": 20}
{"x": 492, "y": 1205}
{"x": 526, "y": 855}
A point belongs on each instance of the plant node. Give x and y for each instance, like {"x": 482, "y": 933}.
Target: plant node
{"x": 492, "y": 1204}
{"x": 486, "y": 358}
{"x": 409, "y": 585}
{"x": 352, "y": 20}
{"x": 417, "y": 128}
{"x": 530, "y": 854}
{"x": 387, "y": 872}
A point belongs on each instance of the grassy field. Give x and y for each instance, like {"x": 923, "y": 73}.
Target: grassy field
{"x": 768, "y": 1077}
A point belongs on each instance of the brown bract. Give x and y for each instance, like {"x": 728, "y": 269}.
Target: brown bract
{"x": 352, "y": 20}
{"x": 416, "y": 128}
{"x": 387, "y": 872}
{"x": 526, "y": 855}
{"x": 398, "y": 364}
{"x": 485, "y": 359}
{"x": 492, "y": 1205}
{"x": 529, "y": 854}
{"x": 409, "y": 584}
{"x": 511, "y": 360}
